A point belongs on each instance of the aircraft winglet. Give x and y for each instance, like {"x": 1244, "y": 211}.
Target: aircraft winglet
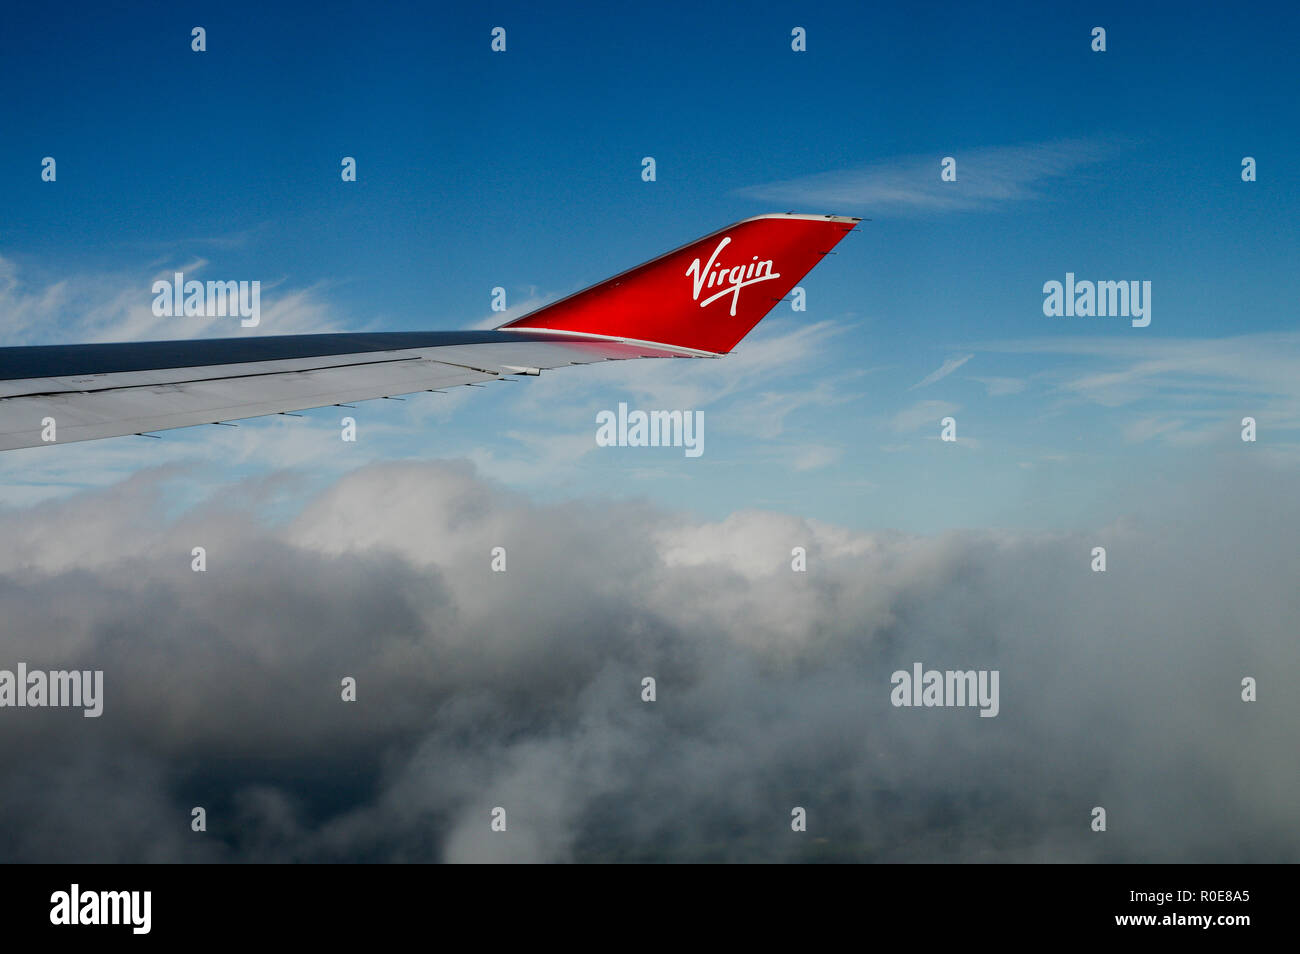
{"x": 704, "y": 296}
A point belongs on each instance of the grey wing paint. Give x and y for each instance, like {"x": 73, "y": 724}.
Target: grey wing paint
{"x": 112, "y": 390}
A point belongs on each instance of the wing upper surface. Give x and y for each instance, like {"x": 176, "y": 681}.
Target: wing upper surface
{"x": 97, "y": 391}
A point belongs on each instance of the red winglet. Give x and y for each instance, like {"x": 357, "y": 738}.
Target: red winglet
{"x": 704, "y": 296}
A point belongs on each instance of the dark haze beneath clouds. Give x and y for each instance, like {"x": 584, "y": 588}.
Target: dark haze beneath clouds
{"x": 479, "y": 689}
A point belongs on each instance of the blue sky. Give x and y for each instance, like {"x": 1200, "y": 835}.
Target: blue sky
{"x": 522, "y": 169}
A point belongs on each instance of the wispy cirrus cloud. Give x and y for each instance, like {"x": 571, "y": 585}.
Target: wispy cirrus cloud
{"x": 945, "y": 369}
{"x": 1000, "y": 386}
{"x": 1135, "y": 369}
{"x": 922, "y": 413}
{"x": 1191, "y": 390}
{"x": 531, "y": 303}
{"x": 118, "y": 306}
{"x": 986, "y": 178}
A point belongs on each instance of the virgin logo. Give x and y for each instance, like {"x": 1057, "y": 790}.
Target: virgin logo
{"x": 730, "y": 279}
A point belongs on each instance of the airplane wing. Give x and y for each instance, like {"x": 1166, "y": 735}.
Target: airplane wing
{"x": 696, "y": 301}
